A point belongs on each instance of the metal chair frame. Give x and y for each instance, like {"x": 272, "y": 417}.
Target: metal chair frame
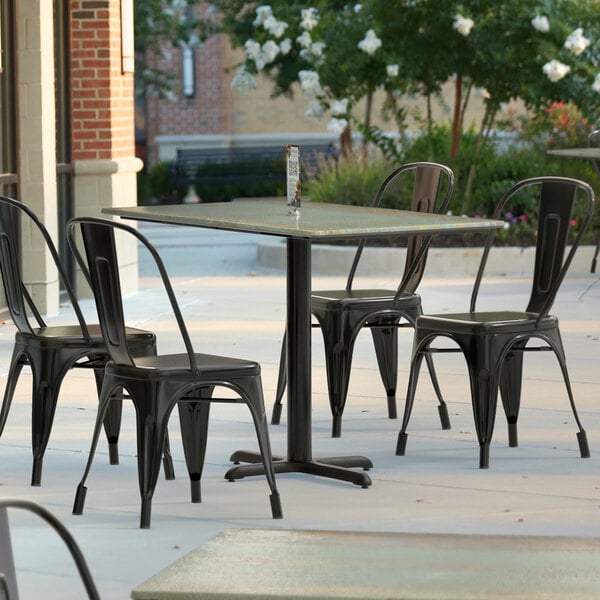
{"x": 493, "y": 342}
{"x": 156, "y": 384}
{"x": 51, "y": 351}
{"x": 8, "y": 581}
{"x": 342, "y": 314}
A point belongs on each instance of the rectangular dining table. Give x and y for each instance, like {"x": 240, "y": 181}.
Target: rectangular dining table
{"x": 315, "y": 222}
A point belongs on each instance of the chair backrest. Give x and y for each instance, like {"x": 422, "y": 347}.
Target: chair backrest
{"x": 23, "y": 310}
{"x": 8, "y": 579}
{"x": 556, "y": 199}
{"x": 101, "y": 268}
{"x": 428, "y": 182}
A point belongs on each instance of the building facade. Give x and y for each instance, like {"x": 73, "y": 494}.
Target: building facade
{"x": 67, "y": 119}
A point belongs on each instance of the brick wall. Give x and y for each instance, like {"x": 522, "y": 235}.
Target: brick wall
{"x": 102, "y": 96}
{"x": 207, "y": 111}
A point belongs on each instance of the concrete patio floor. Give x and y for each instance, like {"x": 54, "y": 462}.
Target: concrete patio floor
{"x": 233, "y": 307}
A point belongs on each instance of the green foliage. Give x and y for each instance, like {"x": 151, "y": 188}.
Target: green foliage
{"x": 494, "y": 46}
{"x": 159, "y": 185}
{"x": 356, "y": 182}
{"x": 350, "y": 181}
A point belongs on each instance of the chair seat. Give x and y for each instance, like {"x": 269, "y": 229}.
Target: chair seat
{"x": 178, "y": 365}
{"x": 483, "y": 323}
{"x": 368, "y": 298}
{"x": 74, "y": 334}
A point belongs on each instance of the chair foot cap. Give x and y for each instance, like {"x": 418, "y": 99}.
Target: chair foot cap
{"x": 79, "y": 499}
{"x": 336, "y": 427}
{"x": 444, "y": 416}
{"x": 145, "y": 513}
{"x": 401, "y": 444}
{"x": 36, "y": 472}
{"x": 195, "y": 490}
{"x": 276, "y": 506}
{"x": 391, "y": 404}
{"x": 113, "y": 453}
{"x": 584, "y": 449}
{"x": 513, "y": 437}
{"x": 484, "y": 457}
{"x": 276, "y": 416}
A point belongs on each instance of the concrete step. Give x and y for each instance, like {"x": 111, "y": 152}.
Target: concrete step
{"x": 441, "y": 262}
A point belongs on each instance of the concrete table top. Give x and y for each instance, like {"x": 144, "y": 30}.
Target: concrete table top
{"x": 256, "y": 563}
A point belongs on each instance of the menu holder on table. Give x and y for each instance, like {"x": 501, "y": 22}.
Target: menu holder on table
{"x": 294, "y": 187}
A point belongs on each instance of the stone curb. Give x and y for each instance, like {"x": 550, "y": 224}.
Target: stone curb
{"x": 441, "y": 262}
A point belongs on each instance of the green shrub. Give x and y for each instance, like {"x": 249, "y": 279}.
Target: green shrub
{"x": 349, "y": 181}
{"x": 356, "y": 182}
{"x": 160, "y": 185}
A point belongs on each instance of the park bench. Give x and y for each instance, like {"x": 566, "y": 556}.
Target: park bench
{"x": 252, "y": 164}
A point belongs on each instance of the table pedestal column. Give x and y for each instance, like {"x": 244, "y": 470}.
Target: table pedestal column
{"x": 299, "y": 406}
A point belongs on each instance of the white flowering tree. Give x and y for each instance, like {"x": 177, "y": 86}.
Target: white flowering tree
{"x": 329, "y": 50}
{"x": 340, "y": 53}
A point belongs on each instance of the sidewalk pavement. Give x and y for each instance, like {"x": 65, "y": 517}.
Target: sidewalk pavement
{"x": 233, "y": 307}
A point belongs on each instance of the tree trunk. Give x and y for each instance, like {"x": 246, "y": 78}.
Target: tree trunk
{"x": 464, "y": 105}
{"x": 456, "y": 120}
{"x": 368, "y": 111}
{"x": 482, "y": 136}
{"x": 399, "y": 119}
{"x": 346, "y": 143}
{"x": 430, "y": 126}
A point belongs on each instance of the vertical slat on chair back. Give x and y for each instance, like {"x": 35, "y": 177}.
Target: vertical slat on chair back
{"x": 103, "y": 268}
{"x": 425, "y": 195}
{"x": 14, "y": 288}
{"x": 557, "y": 199}
{"x": 426, "y": 191}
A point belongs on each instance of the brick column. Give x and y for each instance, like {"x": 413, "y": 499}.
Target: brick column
{"x": 104, "y": 159}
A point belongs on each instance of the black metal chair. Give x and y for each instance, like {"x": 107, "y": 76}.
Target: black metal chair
{"x": 8, "y": 580}
{"x": 51, "y": 351}
{"x": 342, "y": 314}
{"x": 493, "y": 342}
{"x": 156, "y": 384}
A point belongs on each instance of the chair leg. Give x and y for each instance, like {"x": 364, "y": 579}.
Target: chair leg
{"x": 338, "y": 338}
{"x": 415, "y": 368}
{"x": 168, "y": 460}
{"x": 281, "y": 383}
{"x": 385, "y": 340}
{"x": 103, "y": 402}
{"x": 252, "y": 393}
{"x": 556, "y": 343}
{"x": 511, "y": 376}
{"x": 46, "y": 387}
{"x": 484, "y": 395}
{"x": 153, "y": 407}
{"x": 112, "y": 420}
{"x": 442, "y": 406}
{"x": 193, "y": 419}
{"x": 16, "y": 365}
